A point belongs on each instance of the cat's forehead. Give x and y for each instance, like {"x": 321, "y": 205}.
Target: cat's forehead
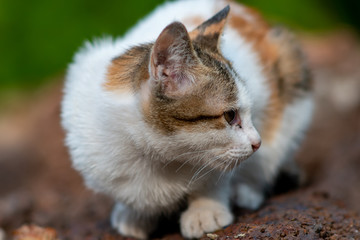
{"x": 217, "y": 76}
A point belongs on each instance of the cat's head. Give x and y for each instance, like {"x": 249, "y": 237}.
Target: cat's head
{"x": 195, "y": 101}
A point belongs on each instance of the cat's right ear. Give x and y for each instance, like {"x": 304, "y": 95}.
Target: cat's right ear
{"x": 172, "y": 61}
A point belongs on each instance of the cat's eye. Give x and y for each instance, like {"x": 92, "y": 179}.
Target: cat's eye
{"x": 230, "y": 116}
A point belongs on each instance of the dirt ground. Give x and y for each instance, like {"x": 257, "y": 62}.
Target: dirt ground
{"x": 38, "y": 185}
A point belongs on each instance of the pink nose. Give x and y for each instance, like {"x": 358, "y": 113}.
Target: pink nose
{"x": 256, "y": 146}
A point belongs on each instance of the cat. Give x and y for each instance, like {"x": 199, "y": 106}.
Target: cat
{"x": 174, "y": 111}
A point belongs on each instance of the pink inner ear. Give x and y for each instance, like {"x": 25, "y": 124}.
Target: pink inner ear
{"x": 172, "y": 58}
{"x": 177, "y": 84}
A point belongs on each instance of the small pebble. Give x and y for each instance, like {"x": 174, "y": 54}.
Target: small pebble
{"x": 240, "y": 235}
{"x": 212, "y": 235}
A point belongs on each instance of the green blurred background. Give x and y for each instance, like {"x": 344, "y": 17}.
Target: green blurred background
{"x": 38, "y": 37}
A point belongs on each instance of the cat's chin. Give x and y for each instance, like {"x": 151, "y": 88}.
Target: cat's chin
{"x": 230, "y": 160}
{"x": 216, "y": 159}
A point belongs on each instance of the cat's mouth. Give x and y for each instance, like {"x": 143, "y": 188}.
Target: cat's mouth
{"x": 229, "y": 159}
{"x": 235, "y": 158}
{"x": 215, "y": 159}
{"x": 222, "y": 163}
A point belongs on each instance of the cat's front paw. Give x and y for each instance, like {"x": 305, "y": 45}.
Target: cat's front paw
{"x": 248, "y": 197}
{"x": 197, "y": 221}
{"x": 130, "y": 224}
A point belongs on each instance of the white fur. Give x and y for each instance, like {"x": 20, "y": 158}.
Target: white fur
{"x": 246, "y": 62}
{"x": 263, "y": 166}
{"x": 120, "y": 155}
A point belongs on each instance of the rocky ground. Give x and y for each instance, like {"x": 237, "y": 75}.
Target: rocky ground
{"x": 38, "y": 187}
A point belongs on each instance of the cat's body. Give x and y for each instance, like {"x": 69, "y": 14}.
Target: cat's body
{"x": 155, "y": 124}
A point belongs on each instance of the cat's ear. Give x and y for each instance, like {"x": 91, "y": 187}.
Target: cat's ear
{"x": 172, "y": 61}
{"x": 209, "y": 32}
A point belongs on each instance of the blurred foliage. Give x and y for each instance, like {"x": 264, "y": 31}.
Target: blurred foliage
{"x": 302, "y": 14}
{"x": 38, "y": 37}
{"x": 310, "y": 15}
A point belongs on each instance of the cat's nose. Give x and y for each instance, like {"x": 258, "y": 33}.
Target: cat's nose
{"x": 256, "y": 146}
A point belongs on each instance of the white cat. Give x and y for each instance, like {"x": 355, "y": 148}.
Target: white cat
{"x": 172, "y": 109}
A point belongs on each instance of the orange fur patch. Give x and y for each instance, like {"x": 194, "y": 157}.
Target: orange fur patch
{"x": 117, "y": 78}
{"x": 127, "y": 72}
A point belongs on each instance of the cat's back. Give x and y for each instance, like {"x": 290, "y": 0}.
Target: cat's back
{"x": 91, "y": 63}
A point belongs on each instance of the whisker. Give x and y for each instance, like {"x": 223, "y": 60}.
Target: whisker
{"x": 223, "y": 172}
{"x": 212, "y": 169}
{"x": 187, "y": 161}
{"x": 193, "y": 179}
{"x": 198, "y": 162}
{"x": 183, "y": 154}
{"x": 206, "y": 165}
{"x": 233, "y": 170}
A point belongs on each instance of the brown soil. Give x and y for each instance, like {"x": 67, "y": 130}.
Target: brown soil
{"x": 38, "y": 185}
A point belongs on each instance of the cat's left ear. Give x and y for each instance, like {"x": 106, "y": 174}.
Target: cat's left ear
{"x": 173, "y": 61}
{"x": 209, "y": 32}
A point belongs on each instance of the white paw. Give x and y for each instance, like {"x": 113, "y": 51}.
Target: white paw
{"x": 130, "y": 224}
{"x": 248, "y": 197}
{"x": 197, "y": 221}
